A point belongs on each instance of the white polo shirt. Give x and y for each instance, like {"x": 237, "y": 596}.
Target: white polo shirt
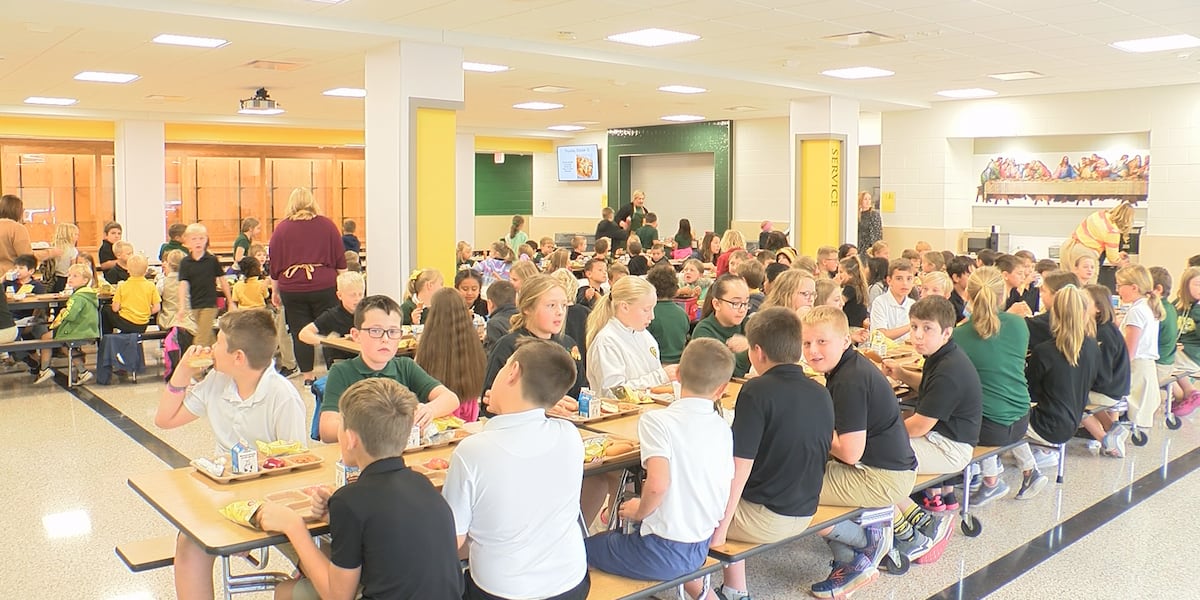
{"x": 698, "y": 446}
{"x": 1139, "y": 315}
{"x": 886, "y": 313}
{"x": 514, "y": 491}
{"x": 273, "y": 412}
{"x": 619, "y": 355}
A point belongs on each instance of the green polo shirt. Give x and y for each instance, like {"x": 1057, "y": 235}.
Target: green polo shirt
{"x": 670, "y": 329}
{"x": 1168, "y": 334}
{"x": 647, "y": 235}
{"x": 710, "y": 328}
{"x": 1000, "y": 362}
{"x": 406, "y": 311}
{"x": 401, "y": 369}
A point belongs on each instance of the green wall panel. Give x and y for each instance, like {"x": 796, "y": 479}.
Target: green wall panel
{"x": 714, "y": 136}
{"x": 505, "y": 188}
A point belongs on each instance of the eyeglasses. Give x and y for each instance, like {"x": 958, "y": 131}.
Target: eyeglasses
{"x": 736, "y": 305}
{"x": 807, "y": 294}
{"x": 377, "y": 333}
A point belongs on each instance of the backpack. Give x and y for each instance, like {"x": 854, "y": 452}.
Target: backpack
{"x": 176, "y": 343}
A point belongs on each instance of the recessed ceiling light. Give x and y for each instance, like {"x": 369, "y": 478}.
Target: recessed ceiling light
{"x": 566, "y": 128}
{"x": 967, "y": 93}
{"x": 858, "y": 73}
{"x": 483, "y": 67}
{"x": 741, "y": 108}
{"x": 50, "y": 101}
{"x": 1016, "y": 75}
{"x": 551, "y": 89}
{"x": 102, "y": 77}
{"x": 538, "y": 105}
{"x": 653, "y": 37}
{"x": 345, "y": 92}
{"x": 188, "y": 40}
{"x": 682, "y": 89}
{"x": 1158, "y": 44}
{"x": 683, "y": 118}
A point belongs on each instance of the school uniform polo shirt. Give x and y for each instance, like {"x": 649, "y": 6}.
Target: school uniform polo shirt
{"x": 335, "y": 319}
{"x": 514, "y": 491}
{"x": 709, "y": 327}
{"x": 619, "y": 355}
{"x": 698, "y": 447}
{"x": 999, "y": 362}
{"x": 395, "y": 526}
{"x": 886, "y": 313}
{"x": 1059, "y": 389}
{"x": 400, "y": 369}
{"x": 273, "y": 412}
{"x": 951, "y": 393}
{"x": 670, "y": 329}
{"x": 784, "y": 423}
{"x": 863, "y": 400}
{"x": 1039, "y": 329}
{"x": 136, "y": 296}
{"x": 1113, "y": 376}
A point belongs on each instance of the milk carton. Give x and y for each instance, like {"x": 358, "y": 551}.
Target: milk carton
{"x": 589, "y": 404}
{"x": 243, "y": 458}
{"x": 343, "y": 474}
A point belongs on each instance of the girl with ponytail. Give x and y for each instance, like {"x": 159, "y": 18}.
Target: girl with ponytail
{"x": 422, "y": 284}
{"x": 1062, "y": 370}
{"x": 516, "y": 237}
{"x": 1140, "y": 328}
{"x": 619, "y": 349}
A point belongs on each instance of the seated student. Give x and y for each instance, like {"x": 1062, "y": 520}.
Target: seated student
{"x": 392, "y": 532}
{"x": 880, "y": 249}
{"x": 1060, "y": 371}
{"x": 944, "y": 429}
{"x": 251, "y": 291}
{"x": 724, "y": 319}
{"x": 134, "y": 302}
{"x": 959, "y": 269}
{"x": 877, "y": 269}
{"x": 615, "y": 272}
{"x": 687, "y": 451}
{"x": 120, "y": 270}
{"x": 106, "y": 254}
{"x": 1140, "y": 328}
{"x": 996, "y": 343}
{"x": 1112, "y": 378}
{"x": 1021, "y": 299}
{"x": 336, "y": 320}
{"x": 66, "y": 236}
{"x": 794, "y": 290}
{"x": 932, "y": 261}
{"x": 243, "y": 399}
{"x": 854, "y": 290}
{"x": 1084, "y": 268}
{"x": 601, "y": 250}
{"x": 731, "y": 241}
{"x": 559, "y": 259}
{"x": 421, "y": 286}
{"x": 872, "y": 464}
{"x": 497, "y": 265}
{"x": 21, "y": 276}
{"x": 541, "y": 314}
{"x": 450, "y": 351}
{"x": 502, "y": 305}
{"x": 175, "y": 241}
{"x": 781, "y": 434}
{"x": 522, "y": 270}
{"x": 1039, "y": 325}
{"x": 827, "y": 261}
{"x": 658, "y": 256}
{"x": 619, "y": 349}
{"x": 772, "y": 272}
{"x": 463, "y": 255}
{"x": 889, "y": 312}
{"x": 986, "y": 258}
{"x": 578, "y": 246}
{"x": 754, "y": 275}
{"x": 377, "y": 331}
{"x": 469, "y": 285}
{"x": 577, "y": 314}
{"x": 350, "y": 242}
{"x": 1187, "y": 359}
{"x": 647, "y": 234}
{"x": 79, "y": 320}
{"x": 914, "y": 259}
{"x": 670, "y": 324}
{"x": 922, "y": 247}
{"x": 595, "y": 271}
{"x": 638, "y": 263}
{"x": 171, "y": 313}
{"x": 1168, "y": 338}
{"x": 31, "y": 322}
{"x": 523, "y": 541}
{"x": 693, "y": 285}
{"x": 937, "y": 284}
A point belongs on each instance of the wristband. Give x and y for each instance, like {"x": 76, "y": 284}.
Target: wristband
{"x": 175, "y": 390}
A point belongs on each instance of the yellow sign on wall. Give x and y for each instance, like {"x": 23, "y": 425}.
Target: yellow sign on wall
{"x": 887, "y": 202}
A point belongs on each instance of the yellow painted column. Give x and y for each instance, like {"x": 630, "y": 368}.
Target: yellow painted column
{"x": 818, "y": 194}
{"x": 435, "y": 199}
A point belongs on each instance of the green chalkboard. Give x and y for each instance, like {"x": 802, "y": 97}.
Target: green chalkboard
{"x": 505, "y": 188}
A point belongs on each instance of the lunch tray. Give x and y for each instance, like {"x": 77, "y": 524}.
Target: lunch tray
{"x": 312, "y": 461}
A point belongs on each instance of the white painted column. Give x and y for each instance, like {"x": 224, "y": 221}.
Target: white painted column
{"x": 829, "y": 117}
{"x": 400, "y": 77}
{"x": 140, "y": 184}
{"x": 464, "y": 190}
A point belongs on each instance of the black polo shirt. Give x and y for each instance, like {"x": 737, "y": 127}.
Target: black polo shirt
{"x": 1039, "y": 329}
{"x": 201, "y": 277}
{"x": 1059, "y": 389}
{"x": 1113, "y": 376}
{"x": 394, "y": 524}
{"x": 505, "y": 347}
{"x": 856, "y": 311}
{"x": 863, "y": 401}
{"x": 950, "y": 392}
{"x": 116, "y": 274}
{"x": 335, "y": 319}
{"x": 1032, "y": 298}
{"x": 784, "y": 423}
{"x": 960, "y": 306}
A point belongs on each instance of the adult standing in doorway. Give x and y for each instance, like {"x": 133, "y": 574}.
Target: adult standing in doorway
{"x": 870, "y": 224}
{"x": 1099, "y": 236}
{"x": 635, "y": 212}
{"x": 14, "y": 237}
{"x": 306, "y": 256}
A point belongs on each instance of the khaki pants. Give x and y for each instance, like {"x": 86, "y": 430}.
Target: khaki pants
{"x": 204, "y": 318}
{"x": 939, "y": 455}
{"x": 1143, "y": 392}
{"x": 863, "y": 486}
{"x": 759, "y": 524}
{"x": 287, "y": 354}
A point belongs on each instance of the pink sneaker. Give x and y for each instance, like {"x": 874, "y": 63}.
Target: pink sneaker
{"x": 1187, "y": 406}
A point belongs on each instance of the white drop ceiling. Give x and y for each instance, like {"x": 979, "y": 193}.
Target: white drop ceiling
{"x": 757, "y": 53}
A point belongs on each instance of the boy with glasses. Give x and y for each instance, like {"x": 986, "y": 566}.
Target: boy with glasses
{"x": 377, "y": 331}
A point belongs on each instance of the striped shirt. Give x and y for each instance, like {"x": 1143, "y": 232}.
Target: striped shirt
{"x": 1098, "y": 233}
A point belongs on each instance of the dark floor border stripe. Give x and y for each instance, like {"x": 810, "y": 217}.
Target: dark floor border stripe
{"x": 1011, "y": 566}
{"x": 162, "y": 450}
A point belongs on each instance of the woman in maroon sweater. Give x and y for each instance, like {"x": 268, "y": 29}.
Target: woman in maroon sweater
{"x": 306, "y": 256}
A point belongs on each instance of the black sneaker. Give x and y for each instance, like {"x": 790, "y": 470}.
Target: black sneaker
{"x": 286, "y": 372}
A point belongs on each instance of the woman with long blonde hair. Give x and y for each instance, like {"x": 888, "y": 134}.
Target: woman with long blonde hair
{"x": 620, "y": 349}
{"x": 306, "y": 256}
{"x": 450, "y": 351}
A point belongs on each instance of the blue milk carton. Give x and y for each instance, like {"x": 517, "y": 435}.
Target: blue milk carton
{"x": 589, "y": 404}
{"x": 243, "y": 458}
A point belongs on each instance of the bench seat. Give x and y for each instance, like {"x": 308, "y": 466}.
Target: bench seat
{"x": 826, "y": 516}
{"x": 145, "y": 555}
{"x": 606, "y": 586}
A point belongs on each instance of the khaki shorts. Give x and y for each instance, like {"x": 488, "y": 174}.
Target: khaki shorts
{"x": 759, "y": 524}
{"x": 866, "y": 487}
{"x": 1184, "y": 366}
{"x": 1098, "y": 399}
{"x": 939, "y": 455}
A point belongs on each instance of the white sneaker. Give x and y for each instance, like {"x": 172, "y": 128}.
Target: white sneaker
{"x": 84, "y": 377}
{"x": 44, "y": 376}
{"x": 1046, "y": 459}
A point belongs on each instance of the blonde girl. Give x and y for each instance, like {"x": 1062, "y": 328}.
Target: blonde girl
{"x": 1187, "y": 360}
{"x": 451, "y": 353}
{"x": 1112, "y": 379}
{"x": 559, "y": 259}
{"x": 516, "y": 237}
{"x": 520, "y": 271}
{"x": 806, "y": 264}
{"x": 731, "y": 241}
{"x": 66, "y": 235}
{"x": 497, "y": 265}
{"x": 577, "y": 314}
{"x": 1085, "y": 268}
{"x": 422, "y": 285}
{"x": 1061, "y": 371}
{"x": 793, "y": 290}
{"x": 83, "y": 258}
{"x": 541, "y": 312}
{"x": 936, "y": 283}
{"x": 620, "y": 349}
{"x": 880, "y": 249}
{"x": 462, "y": 254}
{"x": 829, "y": 293}
{"x": 1140, "y": 329}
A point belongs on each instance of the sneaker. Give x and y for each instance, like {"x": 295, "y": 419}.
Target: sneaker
{"x": 976, "y": 482}
{"x": 950, "y": 501}
{"x": 933, "y": 503}
{"x": 84, "y": 377}
{"x": 879, "y": 542}
{"x": 1186, "y": 406}
{"x": 940, "y": 540}
{"x": 1031, "y": 484}
{"x": 308, "y": 382}
{"x": 845, "y": 578}
{"x": 1095, "y": 447}
{"x": 916, "y": 547}
{"x": 43, "y": 376}
{"x": 1114, "y": 441}
{"x": 731, "y": 595}
{"x": 923, "y": 521}
{"x": 286, "y": 372}
{"x": 1046, "y": 459}
{"x": 987, "y": 494}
